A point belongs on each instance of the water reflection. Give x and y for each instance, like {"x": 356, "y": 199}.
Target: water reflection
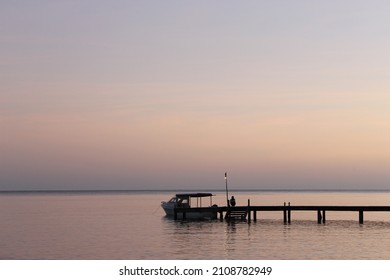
{"x": 132, "y": 227}
{"x": 230, "y": 238}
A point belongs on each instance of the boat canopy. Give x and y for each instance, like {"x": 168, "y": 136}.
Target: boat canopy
{"x": 187, "y": 195}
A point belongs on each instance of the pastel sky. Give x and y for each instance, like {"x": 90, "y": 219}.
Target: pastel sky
{"x": 171, "y": 94}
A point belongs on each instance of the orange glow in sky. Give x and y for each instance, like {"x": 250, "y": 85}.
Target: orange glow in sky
{"x": 172, "y": 95}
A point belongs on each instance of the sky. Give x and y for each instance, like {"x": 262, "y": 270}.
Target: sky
{"x": 113, "y": 95}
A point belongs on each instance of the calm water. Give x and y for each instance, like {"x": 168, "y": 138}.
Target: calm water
{"x": 126, "y": 225}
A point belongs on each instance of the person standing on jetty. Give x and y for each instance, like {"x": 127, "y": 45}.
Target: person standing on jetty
{"x": 232, "y": 201}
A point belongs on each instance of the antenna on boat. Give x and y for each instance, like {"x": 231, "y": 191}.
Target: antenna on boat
{"x": 227, "y": 193}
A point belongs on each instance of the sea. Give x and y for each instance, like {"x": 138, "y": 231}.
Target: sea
{"x": 131, "y": 225}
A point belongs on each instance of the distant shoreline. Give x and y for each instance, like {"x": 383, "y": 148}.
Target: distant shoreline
{"x": 191, "y": 190}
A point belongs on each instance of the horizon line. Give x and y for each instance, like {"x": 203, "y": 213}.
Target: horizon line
{"x": 192, "y": 190}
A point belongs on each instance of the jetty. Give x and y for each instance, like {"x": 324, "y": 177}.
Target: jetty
{"x": 250, "y": 213}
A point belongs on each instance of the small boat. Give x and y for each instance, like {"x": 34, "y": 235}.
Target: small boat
{"x": 187, "y": 200}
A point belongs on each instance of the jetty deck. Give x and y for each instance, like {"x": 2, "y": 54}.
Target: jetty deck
{"x": 249, "y": 212}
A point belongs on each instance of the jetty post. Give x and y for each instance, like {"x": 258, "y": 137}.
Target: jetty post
{"x": 319, "y": 216}
{"x": 289, "y": 213}
{"x": 221, "y": 215}
{"x": 360, "y": 216}
{"x": 284, "y": 214}
{"x": 248, "y": 210}
{"x": 227, "y": 193}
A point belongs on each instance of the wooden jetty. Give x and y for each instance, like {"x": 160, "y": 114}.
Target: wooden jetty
{"x": 249, "y": 212}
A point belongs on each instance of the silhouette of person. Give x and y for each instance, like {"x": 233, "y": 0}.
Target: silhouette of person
{"x": 233, "y": 201}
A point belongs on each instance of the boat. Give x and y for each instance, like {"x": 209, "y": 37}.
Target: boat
{"x": 187, "y": 200}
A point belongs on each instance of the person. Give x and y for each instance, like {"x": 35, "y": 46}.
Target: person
{"x": 232, "y": 201}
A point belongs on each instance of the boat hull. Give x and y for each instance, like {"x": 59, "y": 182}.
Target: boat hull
{"x": 204, "y": 214}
